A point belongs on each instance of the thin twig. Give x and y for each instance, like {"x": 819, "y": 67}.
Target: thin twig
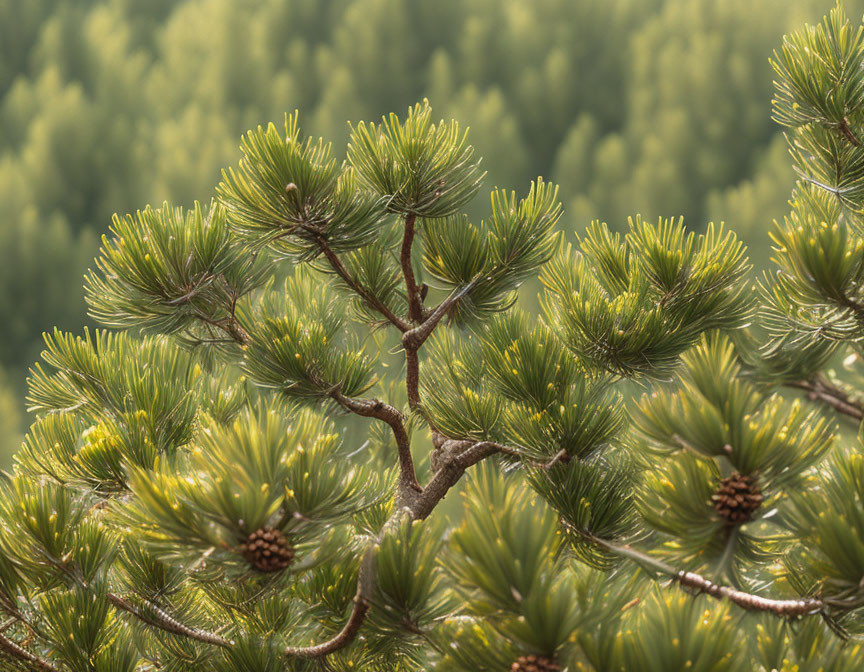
{"x": 237, "y": 332}
{"x": 821, "y": 390}
{"x": 837, "y": 191}
{"x": 342, "y": 639}
{"x": 228, "y": 325}
{"x": 412, "y": 341}
{"x": 417, "y": 336}
{"x": 373, "y": 408}
{"x": 16, "y": 651}
{"x": 447, "y": 446}
{"x": 370, "y": 298}
{"x": 847, "y": 132}
{"x": 153, "y": 615}
{"x": 749, "y": 601}
{"x": 415, "y": 303}
{"x": 560, "y": 456}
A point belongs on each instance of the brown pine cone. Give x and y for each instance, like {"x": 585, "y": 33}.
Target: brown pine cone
{"x": 737, "y": 498}
{"x": 535, "y": 664}
{"x": 267, "y": 550}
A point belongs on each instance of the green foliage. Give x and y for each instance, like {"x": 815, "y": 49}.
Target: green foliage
{"x": 595, "y": 502}
{"x": 114, "y": 377}
{"x": 234, "y": 480}
{"x": 809, "y": 647}
{"x": 719, "y": 423}
{"x": 375, "y": 267}
{"x": 827, "y": 522}
{"x": 290, "y": 194}
{"x": 52, "y": 533}
{"x": 812, "y": 302}
{"x": 700, "y": 638}
{"x": 410, "y": 593}
{"x": 458, "y": 396}
{"x": 720, "y": 414}
{"x": 553, "y": 405}
{"x": 819, "y": 77}
{"x": 530, "y": 393}
{"x": 632, "y": 307}
{"x": 299, "y": 343}
{"x": 491, "y": 260}
{"x": 107, "y": 408}
{"x": 165, "y": 270}
{"x": 506, "y": 559}
{"x": 88, "y": 633}
{"x": 416, "y": 168}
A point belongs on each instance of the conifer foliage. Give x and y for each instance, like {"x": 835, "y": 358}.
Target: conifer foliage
{"x": 243, "y": 471}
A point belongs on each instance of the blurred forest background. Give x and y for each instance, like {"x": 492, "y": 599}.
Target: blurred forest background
{"x": 649, "y": 106}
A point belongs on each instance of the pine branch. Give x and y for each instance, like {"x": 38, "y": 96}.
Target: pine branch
{"x": 837, "y": 191}
{"x": 16, "y": 651}
{"x": 451, "y": 468}
{"x": 340, "y": 640}
{"x": 236, "y": 331}
{"x": 365, "y": 586}
{"x": 412, "y": 377}
{"x": 821, "y": 390}
{"x": 415, "y": 303}
{"x": 415, "y": 311}
{"x": 419, "y": 506}
{"x": 749, "y": 601}
{"x": 449, "y": 447}
{"x": 413, "y": 340}
{"x": 340, "y": 270}
{"x": 560, "y": 456}
{"x": 228, "y": 325}
{"x": 157, "y": 618}
{"x": 373, "y": 408}
{"x": 17, "y": 616}
{"x": 847, "y": 133}
{"x": 234, "y": 328}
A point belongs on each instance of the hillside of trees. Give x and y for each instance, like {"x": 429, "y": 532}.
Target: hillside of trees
{"x": 648, "y": 106}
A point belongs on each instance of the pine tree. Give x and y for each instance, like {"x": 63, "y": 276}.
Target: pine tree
{"x": 163, "y": 89}
{"x": 244, "y": 471}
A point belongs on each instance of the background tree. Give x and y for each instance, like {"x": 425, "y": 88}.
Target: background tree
{"x": 186, "y": 496}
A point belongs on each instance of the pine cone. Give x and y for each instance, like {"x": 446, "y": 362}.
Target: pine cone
{"x": 267, "y": 550}
{"x": 737, "y": 498}
{"x": 534, "y": 664}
